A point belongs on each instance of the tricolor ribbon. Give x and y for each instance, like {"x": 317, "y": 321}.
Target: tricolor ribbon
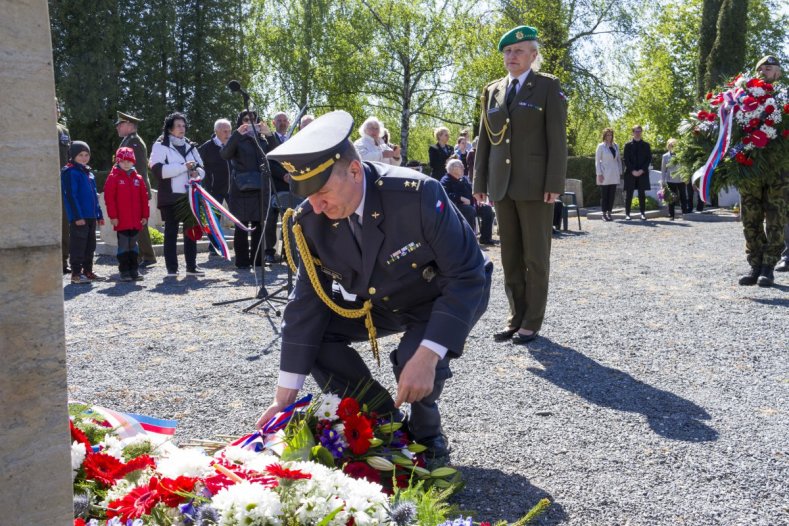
{"x": 128, "y": 425}
{"x": 256, "y": 441}
{"x": 199, "y": 199}
{"x": 726, "y": 113}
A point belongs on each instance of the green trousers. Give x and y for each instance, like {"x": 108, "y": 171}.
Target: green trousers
{"x": 765, "y": 211}
{"x": 525, "y": 233}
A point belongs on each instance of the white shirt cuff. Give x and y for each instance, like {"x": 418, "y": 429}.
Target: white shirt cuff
{"x": 437, "y": 348}
{"x": 291, "y": 380}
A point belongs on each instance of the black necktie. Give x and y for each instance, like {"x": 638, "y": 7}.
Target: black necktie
{"x": 513, "y": 91}
{"x": 356, "y": 229}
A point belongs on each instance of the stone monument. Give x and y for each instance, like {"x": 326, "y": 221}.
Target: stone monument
{"x": 35, "y": 465}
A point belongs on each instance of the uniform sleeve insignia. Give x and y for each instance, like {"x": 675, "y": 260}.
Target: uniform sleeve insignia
{"x": 439, "y": 206}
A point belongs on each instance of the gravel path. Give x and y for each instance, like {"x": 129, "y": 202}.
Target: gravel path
{"x": 658, "y": 394}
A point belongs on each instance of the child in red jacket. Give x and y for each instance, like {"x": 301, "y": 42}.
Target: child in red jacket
{"x": 127, "y": 207}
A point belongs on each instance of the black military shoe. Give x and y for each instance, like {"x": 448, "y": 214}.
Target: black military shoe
{"x": 437, "y": 454}
{"x": 782, "y": 266}
{"x": 766, "y": 277}
{"x": 751, "y": 277}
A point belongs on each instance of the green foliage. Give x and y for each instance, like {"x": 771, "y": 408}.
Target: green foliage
{"x": 706, "y": 39}
{"x": 651, "y": 203}
{"x": 157, "y": 238}
{"x": 727, "y": 56}
{"x": 137, "y": 449}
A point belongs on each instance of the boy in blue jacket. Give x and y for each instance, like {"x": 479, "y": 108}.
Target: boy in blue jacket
{"x": 83, "y": 210}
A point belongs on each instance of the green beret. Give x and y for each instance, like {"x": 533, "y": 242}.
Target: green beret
{"x": 769, "y": 60}
{"x": 309, "y": 156}
{"x": 519, "y": 34}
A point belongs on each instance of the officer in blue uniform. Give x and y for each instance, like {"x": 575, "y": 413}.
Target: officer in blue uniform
{"x": 387, "y": 239}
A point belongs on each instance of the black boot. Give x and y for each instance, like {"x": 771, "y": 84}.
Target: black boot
{"x": 766, "y": 277}
{"x": 751, "y": 277}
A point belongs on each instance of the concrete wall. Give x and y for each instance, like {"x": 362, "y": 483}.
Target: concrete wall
{"x": 35, "y": 465}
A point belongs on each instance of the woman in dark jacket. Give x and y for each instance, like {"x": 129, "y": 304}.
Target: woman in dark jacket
{"x": 249, "y": 188}
{"x": 638, "y": 157}
{"x": 439, "y": 153}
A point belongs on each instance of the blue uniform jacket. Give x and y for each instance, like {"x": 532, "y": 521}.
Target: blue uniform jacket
{"x": 457, "y": 188}
{"x": 420, "y": 261}
{"x": 78, "y": 186}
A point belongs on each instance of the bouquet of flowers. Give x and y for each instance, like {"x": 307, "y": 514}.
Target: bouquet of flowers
{"x": 331, "y": 462}
{"x": 740, "y": 132}
{"x": 666, "y": 195}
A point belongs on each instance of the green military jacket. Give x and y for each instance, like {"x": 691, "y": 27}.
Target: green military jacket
{"x": 522, "y": 149}
{"x": 134, "y": 142}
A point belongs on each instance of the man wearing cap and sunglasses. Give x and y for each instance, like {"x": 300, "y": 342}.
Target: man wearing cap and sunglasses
{"x": 126, "y": 126}
{"x": 382, "y": 251}
{"x": 765, "y": 208}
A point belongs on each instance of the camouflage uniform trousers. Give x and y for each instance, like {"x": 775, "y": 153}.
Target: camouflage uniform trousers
{"x": 762, "y": 202}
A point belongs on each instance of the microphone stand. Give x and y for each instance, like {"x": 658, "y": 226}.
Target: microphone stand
{"x": 262, "y": 295}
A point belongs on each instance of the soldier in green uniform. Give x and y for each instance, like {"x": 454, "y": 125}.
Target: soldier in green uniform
{"x": 520, "y": 164}
{"x": 126, "y": 125}
{"x": 765, "y": 206}
{"x": 64, "y": 142}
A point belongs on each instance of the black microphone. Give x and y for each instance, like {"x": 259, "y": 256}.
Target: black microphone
{"x": 235, "y": 86}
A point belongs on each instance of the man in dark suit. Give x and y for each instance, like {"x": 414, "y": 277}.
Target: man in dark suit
{"x": 280, "y": 178}
{"x": 217, "y": 170}
{"x": 126, "y": 126}
{"x": 388, "y": 241}
{"x": 520, "y": 164}
{"x": 638, "y": 158}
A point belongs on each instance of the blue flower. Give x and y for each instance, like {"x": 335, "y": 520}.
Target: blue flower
{"x": 330, "y": 439}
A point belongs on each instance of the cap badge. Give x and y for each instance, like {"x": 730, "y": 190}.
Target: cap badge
{"x": 519, "y": 35}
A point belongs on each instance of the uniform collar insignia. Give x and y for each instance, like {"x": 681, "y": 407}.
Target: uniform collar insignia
{"x": 375, "y": 215}
{"x": 335, "y": 224}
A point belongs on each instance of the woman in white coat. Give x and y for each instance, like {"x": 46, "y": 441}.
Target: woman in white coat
{"x": 175, "y": 161}
{"x": 608, "y": 165}
{"x": 371, "y": 147}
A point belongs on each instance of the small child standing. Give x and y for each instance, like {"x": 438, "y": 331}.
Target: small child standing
{"x": 127, "y": 207}
{"x": 83, "y": 210}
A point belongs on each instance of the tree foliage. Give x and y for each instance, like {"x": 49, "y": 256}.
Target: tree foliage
{"x": 727, "y": 56}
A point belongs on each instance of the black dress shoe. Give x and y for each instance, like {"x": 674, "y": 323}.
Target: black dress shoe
{"x": 520, "y": 339}
{"x": 504, "y": 335}
{"x": 782, "y": 266}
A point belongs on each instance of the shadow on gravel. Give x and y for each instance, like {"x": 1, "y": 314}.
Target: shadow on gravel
{"x": 775, "y": 302}
{"x": 71, "y": 291}
{"x": 668, "y": 415}
{"x": 561, "y": 234}
{"x": 180, "y": 286}
{"x": 122, "y": 288}
{"x": 508, "y": 496}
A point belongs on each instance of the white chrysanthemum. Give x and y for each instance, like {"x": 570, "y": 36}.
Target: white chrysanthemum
{"x": 78, "y": 454}
{"x": 238, "y": 455}
{"x": 756, "y": 91}
{"x": 327, "y": 408}
{"x": 112, "y": 445}
{"x": 261, "y": 462}
{"x": 769, "y": 131}
{"x": 186, "y": 462}
{"x": 247, "y": 504}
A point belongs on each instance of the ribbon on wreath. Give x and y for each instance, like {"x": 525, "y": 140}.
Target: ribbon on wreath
{"x": 728, "y": 107}
{"x": 201, "y": 200}
{"x": 257, "y": 441}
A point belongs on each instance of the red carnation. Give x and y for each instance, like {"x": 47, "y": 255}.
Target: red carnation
{"x": 769, "y": 109}
{"x": 284, "y": 473}
{"x": 138, "y": 502}
{"x": 711, "y": 117}
{"x": 358, "y": 434}
{"x": 362, "y": 470}
{"x": 101, "y": 468}
{"x": 753, "y": 123}
{"x": 135, "y": 464}
{"x": 347, "y": 408}
{"x": 740, "y": 158}
{"x": 759, "y": 139}
{"x": 194, "y": 233}
{"x": 78, "y": 436}
{"x": 172, "y": 491}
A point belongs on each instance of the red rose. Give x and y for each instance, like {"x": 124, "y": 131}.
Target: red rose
{"x": 769, "y": 109}
{"x": 79, "y": 522}
{"x": 708, "y": 96}
{"x": 767, "y": 86}
{"x": 786, "y": 108}
{"x": 362, "y": 470}
{"x": 759, "y": 139}
{"x": 785, "y": 133}
{"x": 748, "y": 162}
{"x": 746, "y": 140}
{"x": 753, "y": 82}
{"x": 347, "y": 408}
{"x": 769, "y": 122}
{"x": 753, "y": 123}
{"x": 138, "y": 502}
{"x": 172, "y": 490}
{"x": 740, "y": 158}
{"x": 358, "y": 434}
{"x": 711, "y": 117}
